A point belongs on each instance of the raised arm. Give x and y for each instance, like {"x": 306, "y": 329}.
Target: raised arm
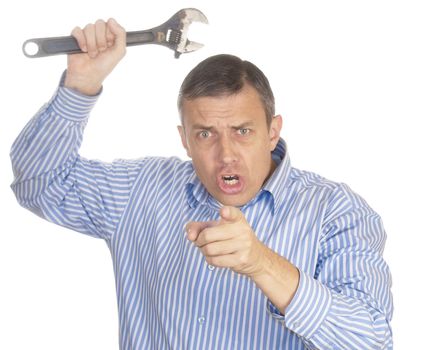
{"x": 51, "y": 179}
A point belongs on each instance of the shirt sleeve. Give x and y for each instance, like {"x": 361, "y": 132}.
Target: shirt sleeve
{"x": 347, "y": 304}
{"x": 52, "y": 180}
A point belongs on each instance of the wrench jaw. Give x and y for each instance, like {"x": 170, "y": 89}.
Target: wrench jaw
{"x": 186, "y": 17}
{"x": 194, "y": 15}
{"x": 192, "y": 46}
{"x": 173, "y": 33}
{"x": 187, "y": 46}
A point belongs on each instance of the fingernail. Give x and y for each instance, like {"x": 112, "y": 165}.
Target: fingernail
{"x": 190, "y": 235}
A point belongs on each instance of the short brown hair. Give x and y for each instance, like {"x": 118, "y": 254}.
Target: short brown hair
{"x": 224, "y": 74}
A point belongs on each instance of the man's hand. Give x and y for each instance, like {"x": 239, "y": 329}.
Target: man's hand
{"x": 229, "y": 242}
{"x": 104, "y": 45}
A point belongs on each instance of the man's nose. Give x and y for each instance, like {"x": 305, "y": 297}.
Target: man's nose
{"x": 227, "y": 150}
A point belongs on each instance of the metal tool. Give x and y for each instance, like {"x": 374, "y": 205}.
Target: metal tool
{"x": 172, "y": 34}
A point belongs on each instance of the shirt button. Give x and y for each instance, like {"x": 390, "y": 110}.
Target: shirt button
{"x": 211, "y": 267}
{"x": 296, "y": 324}
{"x": 201, "y": 319}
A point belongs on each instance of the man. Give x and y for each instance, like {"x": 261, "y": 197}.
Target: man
{"x": 234, "y": 250}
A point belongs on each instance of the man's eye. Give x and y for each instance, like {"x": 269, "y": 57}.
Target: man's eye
{"x": 204, "y": 134}
{"x": 244, "y": 131}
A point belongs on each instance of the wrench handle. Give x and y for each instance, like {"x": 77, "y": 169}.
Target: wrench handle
{"x": 42, "y": 47}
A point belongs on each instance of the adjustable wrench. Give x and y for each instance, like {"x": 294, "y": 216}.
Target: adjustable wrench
{"x": 172, "y": 34}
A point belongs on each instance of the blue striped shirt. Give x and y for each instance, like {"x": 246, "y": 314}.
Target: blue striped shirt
{"x": 168, "y": 297}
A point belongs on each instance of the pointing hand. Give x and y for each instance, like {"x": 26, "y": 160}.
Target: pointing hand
{"x": 229, "y": 242}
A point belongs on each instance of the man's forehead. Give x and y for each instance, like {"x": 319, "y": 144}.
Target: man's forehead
{"x": 236, "y": 106}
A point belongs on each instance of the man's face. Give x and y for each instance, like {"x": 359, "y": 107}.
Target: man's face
{"x": 230, "y": 144}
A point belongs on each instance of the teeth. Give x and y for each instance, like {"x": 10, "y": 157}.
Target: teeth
{"x": 230, "y": 180}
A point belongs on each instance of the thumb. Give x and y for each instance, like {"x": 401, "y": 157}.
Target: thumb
{"x": 193, "y": 228}
{"x": 231, "y": 214}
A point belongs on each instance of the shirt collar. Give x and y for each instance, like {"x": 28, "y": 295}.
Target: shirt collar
{"x": 196, "y": 192}
{"x": 280, "y": 179}
{"x": 275, "y": 186}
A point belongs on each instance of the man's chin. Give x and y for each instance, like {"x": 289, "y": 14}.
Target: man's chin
{"x": 233, "y": 200}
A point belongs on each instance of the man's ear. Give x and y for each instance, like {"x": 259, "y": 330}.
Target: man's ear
{"x": 274, "y": 131}
{"x": 182, "y": 135}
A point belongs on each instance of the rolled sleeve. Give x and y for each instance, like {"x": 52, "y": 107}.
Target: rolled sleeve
{"x": 71, "y": 104}
{"x": 308, "y": 308}
{"x": 347, "y": 304}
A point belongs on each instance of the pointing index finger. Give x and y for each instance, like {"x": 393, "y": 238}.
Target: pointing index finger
{"x": 193, "y": 228}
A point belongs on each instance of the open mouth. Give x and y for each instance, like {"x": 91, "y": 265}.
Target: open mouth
{"x": 230, "y": 179}
{"x": 230, "y": 184}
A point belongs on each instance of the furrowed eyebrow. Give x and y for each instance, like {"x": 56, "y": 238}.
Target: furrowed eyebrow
{"x": 243, "y": 125}
{"x": 210, "y": 127}
{"x": 202, "y": 127}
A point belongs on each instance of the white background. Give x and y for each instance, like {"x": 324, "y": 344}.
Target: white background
{"x": 353, "y": 81}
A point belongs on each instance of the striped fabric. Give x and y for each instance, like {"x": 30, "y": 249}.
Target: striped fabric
{"x": 168, "y": 297}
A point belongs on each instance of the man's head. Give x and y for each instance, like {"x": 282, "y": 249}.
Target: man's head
{"x": 228, "y": 127}
{"x": 224, "y": 75}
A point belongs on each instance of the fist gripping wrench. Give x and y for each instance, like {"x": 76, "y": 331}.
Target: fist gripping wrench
{"x": 172, "y": 34}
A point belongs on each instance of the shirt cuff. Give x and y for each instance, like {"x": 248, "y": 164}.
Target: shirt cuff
{"x": 308, "y": 308}
{"x": 71, "y": 104}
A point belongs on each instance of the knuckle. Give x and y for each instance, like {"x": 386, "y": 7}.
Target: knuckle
{"x": 208, "y": 250}
{"x": 78, "y": 34}
{"x": 248, "y": 244}
{"x": 76, "y": 30}
{"x": 204, "y": 237}
{"x": 243, "y": 259}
